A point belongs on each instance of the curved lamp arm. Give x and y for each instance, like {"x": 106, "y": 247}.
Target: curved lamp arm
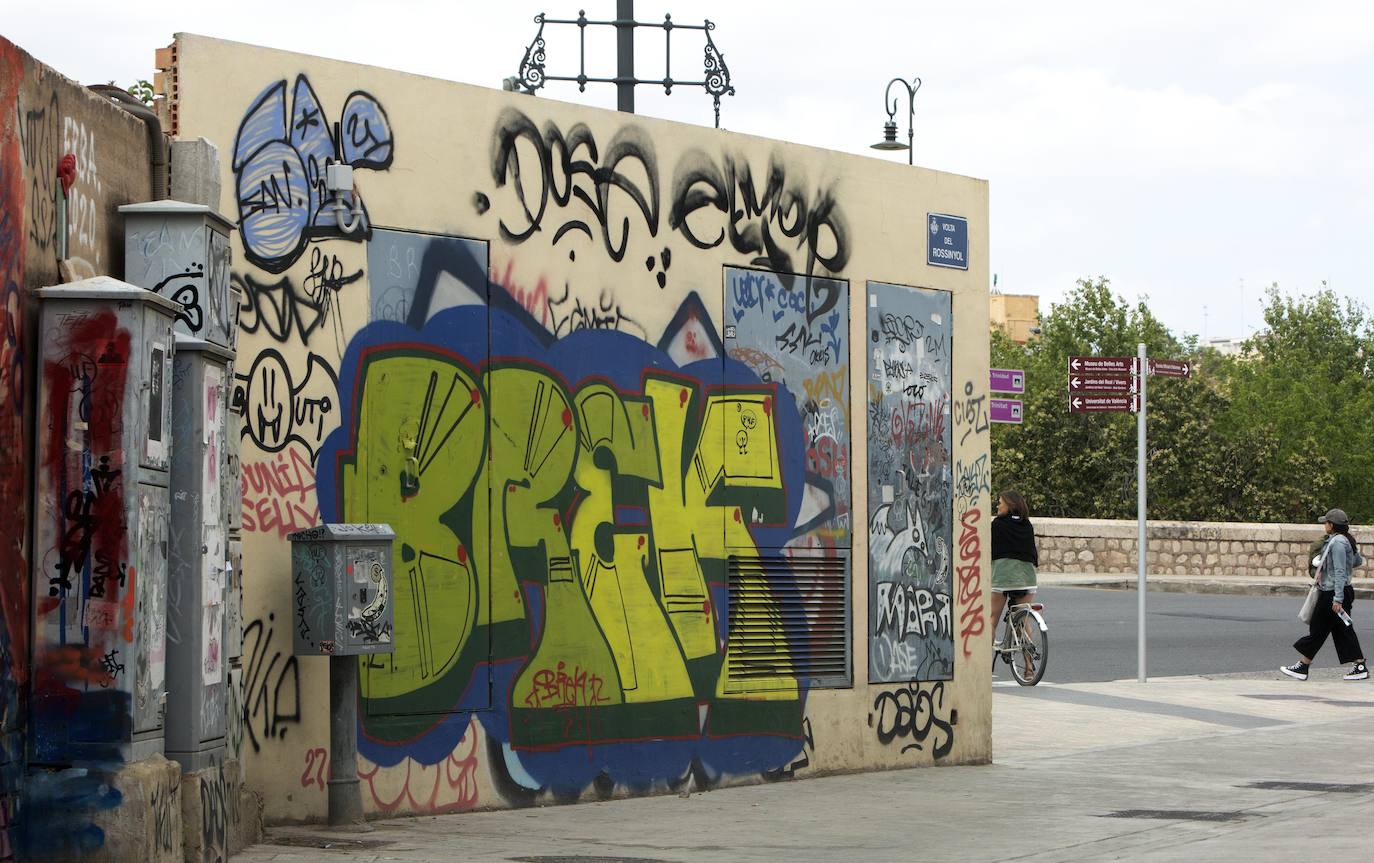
{"x": 890, "y": 104}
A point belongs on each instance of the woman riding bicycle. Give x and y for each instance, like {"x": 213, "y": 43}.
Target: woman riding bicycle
{"x": 1014, "y": 556}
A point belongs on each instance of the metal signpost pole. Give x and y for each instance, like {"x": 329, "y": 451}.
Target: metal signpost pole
{"x": 1142, "y": 372}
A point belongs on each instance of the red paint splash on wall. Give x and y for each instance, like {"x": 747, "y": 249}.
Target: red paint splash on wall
{"x": 84, "y": 468}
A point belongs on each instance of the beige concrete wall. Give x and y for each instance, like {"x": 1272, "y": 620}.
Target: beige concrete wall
{"x": 1219, "y": 549}
{"x": 584, "y": 220}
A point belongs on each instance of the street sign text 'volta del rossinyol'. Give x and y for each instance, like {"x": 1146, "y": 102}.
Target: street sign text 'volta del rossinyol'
{"x": 1116, "y": 384}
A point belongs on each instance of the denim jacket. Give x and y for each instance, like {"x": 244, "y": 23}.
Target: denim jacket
{"x": 1340, "y": 560}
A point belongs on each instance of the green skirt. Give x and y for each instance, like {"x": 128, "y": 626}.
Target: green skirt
{"x": 1011, "y": 574}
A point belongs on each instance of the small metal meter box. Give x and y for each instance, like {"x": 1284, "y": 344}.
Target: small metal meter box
{"x": 341, "y": 588}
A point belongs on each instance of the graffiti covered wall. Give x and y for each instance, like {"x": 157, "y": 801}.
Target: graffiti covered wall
{"x": 594, "y": 371}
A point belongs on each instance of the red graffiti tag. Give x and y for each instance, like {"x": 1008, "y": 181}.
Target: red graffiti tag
{"x": 279, "y": 495}
{"x": 316, "y": 762}
{"x": 564, "y": 688}
{"x": 971, "y": 620}
{"x": 535, "y": 301}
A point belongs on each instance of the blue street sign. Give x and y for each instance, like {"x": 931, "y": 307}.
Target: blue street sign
{"x": 948, "y": 243}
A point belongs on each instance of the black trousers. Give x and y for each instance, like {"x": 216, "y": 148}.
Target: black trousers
{"x": 1325, "y": 622}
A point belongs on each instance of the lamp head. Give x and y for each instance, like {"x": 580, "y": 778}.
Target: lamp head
{"x": 889, "y": 141}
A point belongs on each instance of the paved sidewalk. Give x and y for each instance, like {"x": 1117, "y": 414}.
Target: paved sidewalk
{"x": 1297, "y": 586}
{"x": 1240, "y": 767}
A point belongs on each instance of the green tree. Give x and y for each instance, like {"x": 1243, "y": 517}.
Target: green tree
{"x": 1309, "y": 378}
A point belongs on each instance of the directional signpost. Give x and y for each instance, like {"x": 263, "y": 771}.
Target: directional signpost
{"x": 1006, "y": 381}
{"x": 1115, "y": 385}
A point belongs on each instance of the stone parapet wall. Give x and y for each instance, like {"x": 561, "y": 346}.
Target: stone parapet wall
{"x": 1181, "y": 547}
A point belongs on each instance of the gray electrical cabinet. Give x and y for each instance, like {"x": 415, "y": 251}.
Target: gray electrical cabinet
{"x": 181, "y": 251}
{"x": 100, "y": 543}
{"x": 198, "y": 580}
{"x": 341, "y": 589}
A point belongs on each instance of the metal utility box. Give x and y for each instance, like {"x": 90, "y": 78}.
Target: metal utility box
{"x": 341, "y": 589}
{"x": 181, "y": 251}
{"x": 198, "y": 580}
{"x": 101, "y": 514}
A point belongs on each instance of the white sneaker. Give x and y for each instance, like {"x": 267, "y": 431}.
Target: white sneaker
{"x": 1298, "y": 671}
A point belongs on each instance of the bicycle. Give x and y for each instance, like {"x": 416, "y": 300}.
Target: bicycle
{"x": 1025, "y": 641}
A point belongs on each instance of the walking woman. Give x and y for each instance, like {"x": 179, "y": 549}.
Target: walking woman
{"x": 1335, "y": 598}
{"x": 1014, "y": 556}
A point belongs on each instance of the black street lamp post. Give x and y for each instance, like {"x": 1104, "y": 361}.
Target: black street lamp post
{"x": 889, "y": 141}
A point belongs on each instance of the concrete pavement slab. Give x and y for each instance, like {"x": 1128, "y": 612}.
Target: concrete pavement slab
{"x": 1177, "y": 767}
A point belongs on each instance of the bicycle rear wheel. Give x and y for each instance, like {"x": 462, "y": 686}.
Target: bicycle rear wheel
{"x": 1028, "y": 662}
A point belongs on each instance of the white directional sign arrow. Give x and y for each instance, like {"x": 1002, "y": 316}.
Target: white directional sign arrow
{"x": 1075, "y": 382}
{"x": 1074, "y": 364}
{"x": 1077, "y": 403}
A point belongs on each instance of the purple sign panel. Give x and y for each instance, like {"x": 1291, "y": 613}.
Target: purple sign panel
{"x": 1004, "y": 410}
{"x": 1007, "y": 380}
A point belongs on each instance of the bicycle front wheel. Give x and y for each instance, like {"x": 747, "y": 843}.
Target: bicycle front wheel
{"x": 1033, "y": 650}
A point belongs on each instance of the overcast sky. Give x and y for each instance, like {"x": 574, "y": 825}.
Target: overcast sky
{"x": 1192, "y": 152}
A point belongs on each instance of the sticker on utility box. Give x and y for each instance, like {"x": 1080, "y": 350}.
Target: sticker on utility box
{"x": 947, "y": 244}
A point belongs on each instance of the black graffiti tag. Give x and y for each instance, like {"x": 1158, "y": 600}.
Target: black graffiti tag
{"x": 571, "y": 170}
{"x": 914, "y": 712}
{"x": 766, "y": 219}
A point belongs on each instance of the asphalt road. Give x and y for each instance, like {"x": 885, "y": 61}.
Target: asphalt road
{"x": 1093, "y": 634}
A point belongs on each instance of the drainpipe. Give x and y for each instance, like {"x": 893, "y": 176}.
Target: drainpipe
{"x": 157, "y": 142}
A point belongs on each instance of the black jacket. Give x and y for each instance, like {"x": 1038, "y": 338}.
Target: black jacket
{"x": 1013, "y": 537}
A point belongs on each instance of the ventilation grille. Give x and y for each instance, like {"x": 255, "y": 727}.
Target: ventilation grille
{"x": 788, "y": 622}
